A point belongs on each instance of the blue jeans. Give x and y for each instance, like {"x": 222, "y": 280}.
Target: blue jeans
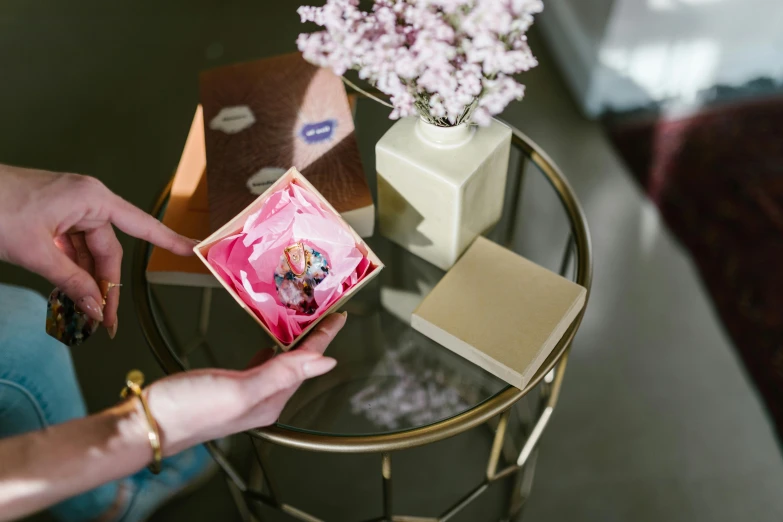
{"x": 38, "y": 387}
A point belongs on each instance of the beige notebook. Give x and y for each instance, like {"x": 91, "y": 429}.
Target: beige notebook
{"x": 500, "y": 311}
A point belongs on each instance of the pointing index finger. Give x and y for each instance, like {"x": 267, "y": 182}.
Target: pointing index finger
{"x": 137, "y": 223}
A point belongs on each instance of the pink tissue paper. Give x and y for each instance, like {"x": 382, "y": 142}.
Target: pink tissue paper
{"x": 289, "y": 212}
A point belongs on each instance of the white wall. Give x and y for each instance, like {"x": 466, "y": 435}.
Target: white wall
{"x": 654, "y": 50}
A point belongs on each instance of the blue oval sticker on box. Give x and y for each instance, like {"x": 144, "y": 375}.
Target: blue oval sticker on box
{"x": 318, "y": 132}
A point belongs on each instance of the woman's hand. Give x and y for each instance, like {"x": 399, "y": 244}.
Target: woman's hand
{"x": 198, "y": 406}
{"x": 60, "y": 227}
{"x": 44, "y": 467}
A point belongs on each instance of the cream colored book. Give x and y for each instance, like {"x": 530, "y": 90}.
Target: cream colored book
{"x": 500, "y": 311}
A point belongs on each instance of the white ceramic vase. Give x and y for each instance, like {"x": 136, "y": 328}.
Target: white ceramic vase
{"x": 440, "y": 187}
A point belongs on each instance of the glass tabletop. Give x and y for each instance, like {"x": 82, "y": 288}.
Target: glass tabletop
{"x": 389, "y": 377}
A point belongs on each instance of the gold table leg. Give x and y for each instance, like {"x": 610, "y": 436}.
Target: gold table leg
{"x": 387, "y": 486}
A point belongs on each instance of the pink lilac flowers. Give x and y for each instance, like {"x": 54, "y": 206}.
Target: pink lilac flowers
{"x": 449, "y": 61}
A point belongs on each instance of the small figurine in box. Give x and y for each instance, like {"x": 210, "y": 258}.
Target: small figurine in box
{"x": 289, "y": 259}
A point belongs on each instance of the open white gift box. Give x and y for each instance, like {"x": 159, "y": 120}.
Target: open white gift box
{"x": 313, "y": 213}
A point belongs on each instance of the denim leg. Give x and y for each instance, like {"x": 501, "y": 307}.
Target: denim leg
{"x": 38, "y": 387}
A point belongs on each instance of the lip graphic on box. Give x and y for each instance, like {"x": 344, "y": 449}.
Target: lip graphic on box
{"x": 240, "y": 253}
{"x": 259, "y": 182}
{"x": 313, "y": 133}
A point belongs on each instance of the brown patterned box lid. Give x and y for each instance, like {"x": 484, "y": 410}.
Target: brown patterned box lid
{"x": 262, "y": 118}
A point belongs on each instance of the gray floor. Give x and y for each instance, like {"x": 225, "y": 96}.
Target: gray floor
{"x": 657, "y": 420}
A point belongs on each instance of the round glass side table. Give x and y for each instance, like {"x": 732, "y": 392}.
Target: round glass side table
{"x": 393, "y": 389}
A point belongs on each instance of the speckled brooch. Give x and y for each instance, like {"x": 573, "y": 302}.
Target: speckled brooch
{"x": 299, "y": 271}
{"x": 65, "y": 323}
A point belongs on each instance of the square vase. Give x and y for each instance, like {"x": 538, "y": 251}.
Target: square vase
{"x": 440, "y": 187}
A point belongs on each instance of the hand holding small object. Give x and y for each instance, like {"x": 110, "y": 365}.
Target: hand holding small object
{"x": 61, "y": 226}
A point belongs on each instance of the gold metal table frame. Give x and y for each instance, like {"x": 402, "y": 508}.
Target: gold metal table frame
{"x": 493, "y": 412}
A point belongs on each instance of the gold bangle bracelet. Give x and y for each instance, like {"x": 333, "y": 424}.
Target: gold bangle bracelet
{"x": 133, "y": 383}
